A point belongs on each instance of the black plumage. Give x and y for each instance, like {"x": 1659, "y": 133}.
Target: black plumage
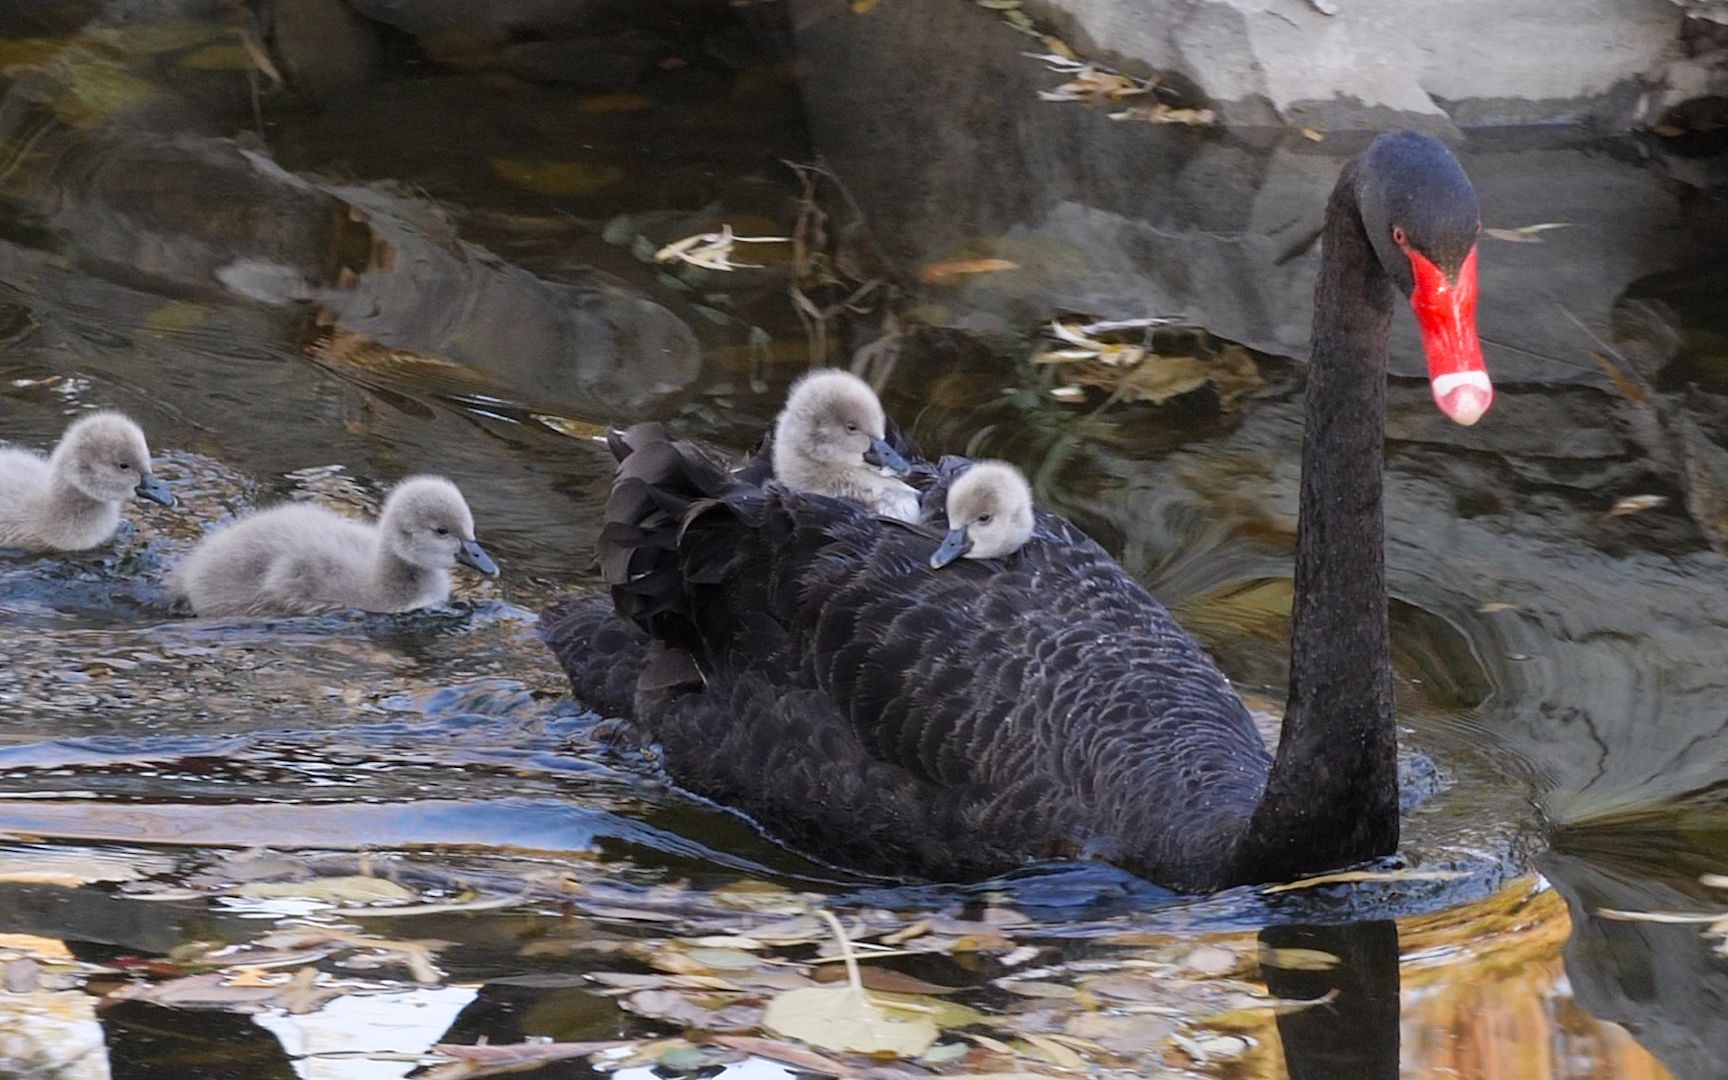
{"x": 795, "y": 657}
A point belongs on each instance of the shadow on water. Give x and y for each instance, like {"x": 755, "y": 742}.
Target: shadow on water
{"x": 433, "y": 249}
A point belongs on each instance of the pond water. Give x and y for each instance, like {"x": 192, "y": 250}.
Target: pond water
{"x": 432, "y": 250}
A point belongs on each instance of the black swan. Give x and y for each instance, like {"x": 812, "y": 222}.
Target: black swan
{"x": 796, "y": 657}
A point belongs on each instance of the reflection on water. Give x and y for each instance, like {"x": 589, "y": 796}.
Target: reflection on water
{"x": 432, "y": 249}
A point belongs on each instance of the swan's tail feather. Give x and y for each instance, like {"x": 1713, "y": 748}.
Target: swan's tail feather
{"x": 603, "y": 654}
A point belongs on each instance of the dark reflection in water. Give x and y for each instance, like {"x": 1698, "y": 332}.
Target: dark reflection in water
{"x": 433, "y": 250}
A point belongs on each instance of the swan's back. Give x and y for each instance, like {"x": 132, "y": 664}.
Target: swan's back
{"x": 298, "y": 558}
{"x": 946, "y": 723}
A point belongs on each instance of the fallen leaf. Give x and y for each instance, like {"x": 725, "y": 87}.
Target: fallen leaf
{"x": 349, "y": 889}
{"x": 936, "y": 272}
{"x": 1211, "y": 960}
{"x": 1350, "y": 877}
{"x": 1032, "y": 988}
{"x": 679, "y": 1009}
{"x": 1494, "y": 606}
{"x": 1676, "y": 917}
{"x": 785, "y": 1053}
{"x": 1527, "y": 234}
{"x": 1054, "y": 1052}
{"x": 1628, "y": 387}
{"x": 1292, "y": 959}
{"x": 844, "y": 1018}
{"x": 558, "y": 178}
{"x": 1636, "y": 504}
{"x": 1312, "y": 136}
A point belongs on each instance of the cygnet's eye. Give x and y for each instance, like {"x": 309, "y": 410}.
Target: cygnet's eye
{"x": 984, "y": 519}
{"x": 121, "y": 465}
{"x": 442, "y": 531}
{"x": 851, "y": 426}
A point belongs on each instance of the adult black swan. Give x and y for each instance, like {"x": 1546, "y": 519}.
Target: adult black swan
{"x": 797, "y": 658}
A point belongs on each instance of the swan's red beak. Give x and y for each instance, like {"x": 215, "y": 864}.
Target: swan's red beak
{"x": 1446, "y": 312}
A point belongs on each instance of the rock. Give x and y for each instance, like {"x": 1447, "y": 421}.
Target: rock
{"x": 1386, "y": 62}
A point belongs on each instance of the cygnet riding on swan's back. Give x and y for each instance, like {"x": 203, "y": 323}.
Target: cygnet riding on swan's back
{"x": 303, "y": 559}
{"x": 989, "y": 514}
{"x": 70, "y": 500}
{"x": 830, "y": 439}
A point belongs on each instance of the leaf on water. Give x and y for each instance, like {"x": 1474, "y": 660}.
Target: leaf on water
{"x": 1054, "y": 1052}
{"x": 713, "y": 251}
{"x": 575, "y": 429}
{"x": 1494, "y": 606}
{"x": 1351, "y": 877}
{"x": 1636, "y": 504}
{"x": 1292, "y": 959}
{"x": 1032, "y": 988}
{"x": 1312, "y": 136}
{"x": 29, "y": 52}
{"x": 942, "y": 271}
{"x": 1095, "y": 85}
{"x": 1714, "y": 881}
{"x": 487, "y": 903}
{"x": 724, "y": 959}
{"x": 1160, "y": 113}
{"x": 785, "y": 1053}
{"x": 353, "y": 889}
{"x": 844, "y": 1018}
{"x": 218, "y": 58}
{"x": 1672, "y": 917}
{"x": 558, "y": 178}
{"x": 692, "y": 1013}
{"x": 1018, "y": 956}
{"x": 1527, "y": 234}
{"x": 889, "y": 981}
{"x": 486, "y": 1059}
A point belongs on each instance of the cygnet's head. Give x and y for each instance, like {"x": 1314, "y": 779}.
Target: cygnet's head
{"x": 426, "y": 522}
{"x": 103, "y": 455}
{"x": 832, "y": 418}
{"x": 989, "y": 514}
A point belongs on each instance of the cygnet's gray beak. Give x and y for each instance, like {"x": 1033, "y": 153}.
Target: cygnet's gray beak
{"x": 473, "y": 556}
{"x": 154, "y": 490}
{"x": 954, "y": 545}
{"x": 885, "y": 457}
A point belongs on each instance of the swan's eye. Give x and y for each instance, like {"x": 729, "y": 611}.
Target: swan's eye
{"x": 121, "y": 465}
{"x": 851, "y": 426}
{"x": 1398, "y": 236}
{"x": 442, "y": 531}
{"x": 984, "y": 519}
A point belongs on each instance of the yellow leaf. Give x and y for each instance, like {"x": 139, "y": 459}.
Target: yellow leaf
{"x": 1312, "y": 136}
{"x": 935, "y": 272}
{"x": 1350, "y": 877}
{"x": 1059, "y": 47}
{"x": 350, "y": 889}
{"x": 844, "y": 1018}
{"x": 1494, "y": 606}
{"x": 558, "y": 178}
{"x": 1297, "y": 959}
{"x": 218, "y": 58}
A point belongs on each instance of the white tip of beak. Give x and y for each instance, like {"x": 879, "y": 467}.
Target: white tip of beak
{"x": 1463, "y": 395}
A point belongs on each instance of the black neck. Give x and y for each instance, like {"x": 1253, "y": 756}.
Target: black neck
{"x": 1332, "y": 798}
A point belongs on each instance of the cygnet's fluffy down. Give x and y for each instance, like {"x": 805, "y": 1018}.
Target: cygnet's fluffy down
{"x": 303, "y": 559}
{"x": 70, "y": 500}
{"x": 989, "y": 514}
{"x": 829, "y": 440}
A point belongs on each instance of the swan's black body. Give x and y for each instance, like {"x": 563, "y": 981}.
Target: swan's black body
{"x": 797, "y": 659}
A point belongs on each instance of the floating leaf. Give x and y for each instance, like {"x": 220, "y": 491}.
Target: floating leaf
{"x": 785, "y": 1053}
{"x": 1312, "y": 136}
{"x": 1526, "y": 234}
{"x": 1495, "y": 606}
{"x": 558, "y": 178}
{"x": 1292, "y": 959}
{"x": 1636, "y": 504}
{"x": 844, "y": 1018}
{"x": 351, "y": 889}
{"x": 936, "y": 272}
{"x": 1351, "y": 877}
{"x": 1674, "y": 917}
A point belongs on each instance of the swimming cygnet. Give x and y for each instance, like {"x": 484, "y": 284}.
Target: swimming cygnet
{"x": 989, "y": 514}
{"x": 303, "y": 559}
{"x": 829, "y": 440}
{"x": 70, "y": 500}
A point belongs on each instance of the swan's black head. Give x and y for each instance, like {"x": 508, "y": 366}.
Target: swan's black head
{"x": 1423, "y": 220}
